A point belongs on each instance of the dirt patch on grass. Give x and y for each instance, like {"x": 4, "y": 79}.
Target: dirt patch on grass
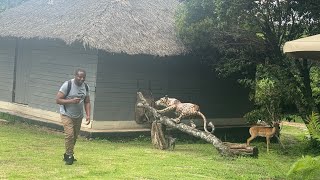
{"x": 294, "y": 124}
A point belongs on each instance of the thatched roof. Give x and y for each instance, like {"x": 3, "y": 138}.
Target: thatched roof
{"x": 118, "y": 26}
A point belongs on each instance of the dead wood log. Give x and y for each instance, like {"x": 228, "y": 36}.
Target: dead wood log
{"x": 236, "y": 145}
{"x": 217, "y": 143}
{"x": 242, "y": 149}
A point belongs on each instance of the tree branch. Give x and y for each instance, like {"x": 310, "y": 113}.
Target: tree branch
{"x": 217, "y": 143}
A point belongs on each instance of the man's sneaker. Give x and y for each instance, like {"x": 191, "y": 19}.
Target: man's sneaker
{"x": 69, "y": 159}
{"x": 65, "y": 156}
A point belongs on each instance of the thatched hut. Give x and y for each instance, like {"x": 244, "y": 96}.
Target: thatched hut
{"x": 125, "y": 46}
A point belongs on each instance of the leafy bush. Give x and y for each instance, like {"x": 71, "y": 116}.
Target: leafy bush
{"x": 306, "y": 168}
{"x": 267, "y": 98}
{"x": 257, "y": 114}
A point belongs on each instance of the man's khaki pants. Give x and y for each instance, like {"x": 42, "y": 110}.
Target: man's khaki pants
{"x": 71, "y": 131}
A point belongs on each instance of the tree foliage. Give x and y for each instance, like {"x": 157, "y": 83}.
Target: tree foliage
{"x": 247, "y": 36}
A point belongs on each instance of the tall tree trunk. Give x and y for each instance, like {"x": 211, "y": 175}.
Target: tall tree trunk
{"x": 308, "y": 102}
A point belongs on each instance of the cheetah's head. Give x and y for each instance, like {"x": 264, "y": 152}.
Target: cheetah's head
{"x": 166, "y": 101}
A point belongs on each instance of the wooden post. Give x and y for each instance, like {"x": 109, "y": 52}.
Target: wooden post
{"x": 159, "y": 138}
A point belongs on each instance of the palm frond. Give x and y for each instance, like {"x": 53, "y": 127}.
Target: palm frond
{"x": 314, "y": 125}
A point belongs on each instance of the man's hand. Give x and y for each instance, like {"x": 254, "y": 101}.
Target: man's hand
{"x": 87, "y": 120}
{"x": 75, "y": 100}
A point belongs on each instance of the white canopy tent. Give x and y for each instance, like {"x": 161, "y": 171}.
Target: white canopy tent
{"x": 307, "y": 48}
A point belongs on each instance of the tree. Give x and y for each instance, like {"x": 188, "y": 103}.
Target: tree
{"x": 247, "y": 36}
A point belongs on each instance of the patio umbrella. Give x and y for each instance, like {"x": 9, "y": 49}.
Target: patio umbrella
{"x": 307, "y": 48}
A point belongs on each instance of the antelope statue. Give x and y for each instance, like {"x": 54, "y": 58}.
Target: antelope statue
{"x": 267, "y": 132}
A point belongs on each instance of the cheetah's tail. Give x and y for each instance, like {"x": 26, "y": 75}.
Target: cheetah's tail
{"x": 204, "y": 121}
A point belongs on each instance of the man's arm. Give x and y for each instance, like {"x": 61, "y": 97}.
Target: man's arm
{"x": 87, "y": 108}
{"x": 60, "y": 99}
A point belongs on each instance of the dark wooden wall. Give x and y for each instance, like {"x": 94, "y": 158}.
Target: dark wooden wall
{"x": 114, "y": 79}
{"x": 119, "y": 77}
{"x": 7, "y": 56}
{"x": 41, "y": 68}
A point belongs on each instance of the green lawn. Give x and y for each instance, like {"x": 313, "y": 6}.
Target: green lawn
{"x": 28, "y": 152}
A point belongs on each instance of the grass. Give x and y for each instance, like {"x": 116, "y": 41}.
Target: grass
{"x": 29, "y": 152}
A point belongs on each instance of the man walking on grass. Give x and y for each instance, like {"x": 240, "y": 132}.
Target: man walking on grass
{"x": 73, "y": 97}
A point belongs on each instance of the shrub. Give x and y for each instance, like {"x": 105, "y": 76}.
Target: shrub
{"x": 306, "y": 168}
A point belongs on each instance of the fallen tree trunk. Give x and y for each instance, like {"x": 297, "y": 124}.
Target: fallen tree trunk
{"x": 223, "y": 149}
